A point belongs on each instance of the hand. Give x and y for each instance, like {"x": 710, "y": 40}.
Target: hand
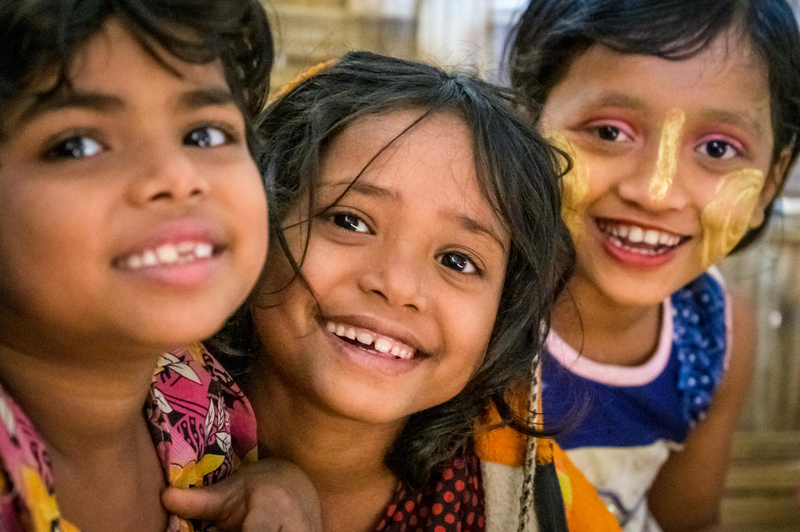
{"x": 271, "y": 495}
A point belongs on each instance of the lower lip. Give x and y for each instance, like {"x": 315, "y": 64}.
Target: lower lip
{"x": 186, "y": 275}
{"x": 371, "y": 361}
{"x": 633, "y": 259}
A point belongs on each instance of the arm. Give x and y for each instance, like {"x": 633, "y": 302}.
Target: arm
{"x": 269, "y": 496}
{"x": 687, "y": 493}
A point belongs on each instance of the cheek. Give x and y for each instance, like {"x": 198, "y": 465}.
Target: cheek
{"x": 727, "y": 216}
{"x": 246, "y": 206}
{"x": 471, "y": 334}
{"x": 575, "y": 187}
{"x": 575, "y": 193}
{"x": 51, "y": 250}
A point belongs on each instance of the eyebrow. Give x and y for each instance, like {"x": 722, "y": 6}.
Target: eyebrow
{"x": 69, "y": 99}
{"x": 474, "y": 227}
{"x": 103, "y": 103}
{"x": 207, "y": 97}
{"x": 360, "y": 187}
{"x": 733, "y": 119}
{"x": 617, "y": 99}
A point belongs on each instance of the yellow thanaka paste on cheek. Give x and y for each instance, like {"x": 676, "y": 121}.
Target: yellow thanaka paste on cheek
{"x": 727, "y": 216}
{"x": 667, "y": 163}
{"x": 575, "y": 188}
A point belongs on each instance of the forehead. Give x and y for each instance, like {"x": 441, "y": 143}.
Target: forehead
{"x": 114, "y": 53}
{"x": 114, "y": 62}
{"x": 424, "y": 165}
{"x": 434, "y": 147}
{"x": 727, "y": 76}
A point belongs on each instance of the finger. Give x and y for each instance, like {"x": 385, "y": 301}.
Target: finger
{"x": 213, "y": 503}
{"x": 272, "y": 508}
{"x": 273, "y": 523}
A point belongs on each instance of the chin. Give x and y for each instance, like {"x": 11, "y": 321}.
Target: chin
{"x": 182, "y": 329}
{"x": 638, "y": 294}
{"x": 367, "y": 409}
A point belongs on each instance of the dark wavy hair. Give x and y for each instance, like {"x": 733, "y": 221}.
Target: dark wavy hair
{"x": 41, "y": 37}
{"x": 550, "y": 34}
{"x": 518, "y": 174}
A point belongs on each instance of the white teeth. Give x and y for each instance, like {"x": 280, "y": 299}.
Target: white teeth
{"x": 384, "y": 346}
{"x": 167, "y": 254}
{"x": 651, "y": 237}
{"x": 134, "y": 262}
{"x": 363, "y": 337}
{"x": 636, "y": 235}
{"x": 185, "y": 247}
{"x": 203, "y": 251}
{"x": 149, "y": 258}
{"x": 179, "y": 253}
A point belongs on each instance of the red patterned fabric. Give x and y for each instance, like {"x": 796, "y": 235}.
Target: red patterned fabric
{"x": 451, "y": 502}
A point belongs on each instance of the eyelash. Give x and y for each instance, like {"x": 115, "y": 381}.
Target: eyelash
{"x": 618, "y": 131}
{"x": 737, "y": 149}
{"x": 477, "y": 271}
{"x": 229, "y": 132}
{"x": 341, "y": 215}
{"x": 55, "y": 148}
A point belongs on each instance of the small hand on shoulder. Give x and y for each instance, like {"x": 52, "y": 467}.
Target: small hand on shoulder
{"x": 271, "y": 495}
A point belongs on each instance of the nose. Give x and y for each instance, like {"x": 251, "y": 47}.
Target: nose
{"x": 167, "y": 175}
{"x": 396, "y": 275}
{"x": 655, "y": 186}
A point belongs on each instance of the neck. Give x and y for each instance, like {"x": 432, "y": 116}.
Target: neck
{"x": 603, "y": 330}
{"x": 344, "y": 458}
{"x": 81, "y": 409}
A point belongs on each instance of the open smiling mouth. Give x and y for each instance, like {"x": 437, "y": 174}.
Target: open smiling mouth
{"x": 168, "y": 255}
{"x": 639, "y": 240}
{"x": 371, "y": 341}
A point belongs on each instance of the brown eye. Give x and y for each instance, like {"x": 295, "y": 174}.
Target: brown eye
{"x": 609, "y": 133}
{"x": 457, "y": 262}
{"x": 718, "y": 149}
{"x": 76, "y": 147}
{"x": 350, "y": 222}
{"x": 206, "y": 137}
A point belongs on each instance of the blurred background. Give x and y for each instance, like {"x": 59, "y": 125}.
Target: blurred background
{"x": 763, "y": 489}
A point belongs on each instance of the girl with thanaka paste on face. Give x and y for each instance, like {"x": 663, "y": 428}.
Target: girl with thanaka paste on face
{"x": 682, "y": 121}
{"x": 134, "y": 220}
{"x": 420, "y": 248}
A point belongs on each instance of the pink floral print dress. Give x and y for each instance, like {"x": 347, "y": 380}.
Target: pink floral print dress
{"x": 202, "y": 427}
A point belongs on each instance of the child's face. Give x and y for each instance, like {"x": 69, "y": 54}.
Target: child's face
{"x": 407, "y": 268}
{"x": 672, "y": 163}
{"x": 132, "y": 210}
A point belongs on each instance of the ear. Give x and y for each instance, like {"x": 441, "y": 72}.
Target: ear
{"x": 773, "y": 184}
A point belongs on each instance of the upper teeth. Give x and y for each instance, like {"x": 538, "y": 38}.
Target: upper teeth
{"x": 635, "y": 234}
{"x": 169, "y": 254}
{"x": 382, "y": 344}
